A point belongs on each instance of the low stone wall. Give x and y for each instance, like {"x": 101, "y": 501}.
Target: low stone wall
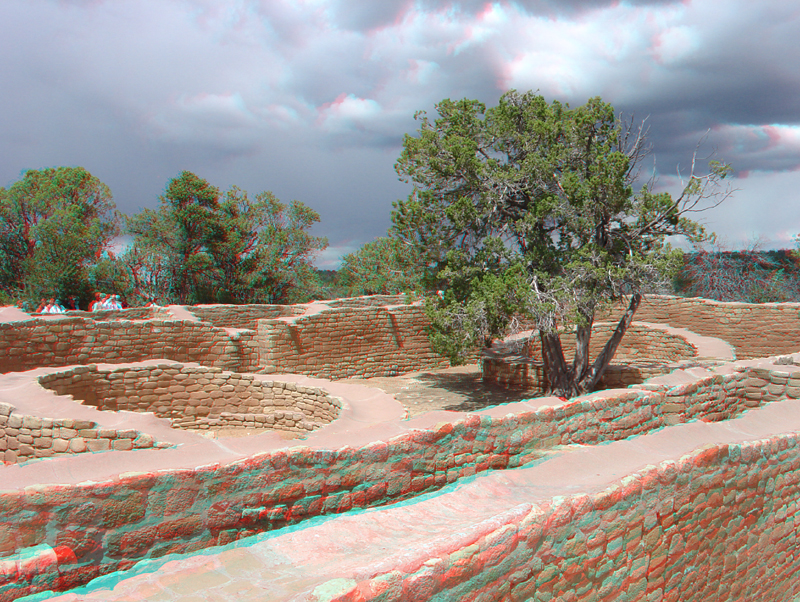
{"x": 334, "y": 339}
{"x": 754, "y": 330}
{"x": 131, "y": 313}
{"x": 67, "y": 341}
{"x": 243, "y": 316}
{"x": 56, "y": 537}
{"x": 198, "y": 397}
{"x": 639, "y": 343}
{"x": 348, "y": 341}
{"x": 368, "y": 301}
{"x": 24, "y": 437}
{"x": 648, "y": 352}
{"x": 718, "y": 524}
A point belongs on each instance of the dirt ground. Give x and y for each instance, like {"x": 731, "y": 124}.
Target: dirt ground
{"x": 458, "y": 389}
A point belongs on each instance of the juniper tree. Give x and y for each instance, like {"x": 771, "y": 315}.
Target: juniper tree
{"x": 529, "y": 210}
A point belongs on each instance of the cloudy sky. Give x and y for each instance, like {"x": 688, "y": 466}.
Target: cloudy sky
{"x": 310, "y": 98}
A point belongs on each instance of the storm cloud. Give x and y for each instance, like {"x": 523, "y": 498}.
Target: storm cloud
{"x": 311, "y": 98}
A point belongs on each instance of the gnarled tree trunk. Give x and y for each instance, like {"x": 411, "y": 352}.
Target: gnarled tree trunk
{"x": 580, "y": 378}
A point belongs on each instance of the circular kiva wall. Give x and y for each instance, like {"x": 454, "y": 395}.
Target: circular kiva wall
{"x": 643, "y": 353}
{"x": 198, "y": 397}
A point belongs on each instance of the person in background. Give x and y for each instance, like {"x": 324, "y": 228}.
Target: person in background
{"x": 93, "y": 306}
{"x": 57, "y": 308}
{"x": 41, "y": 307}
{"x": 108, "y": 302}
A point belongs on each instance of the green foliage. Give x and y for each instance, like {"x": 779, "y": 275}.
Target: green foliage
{"x": 528, "y": 209}
{"x": 54, "y": 225}
{"x": 111, "y": 275}
{"x": 384, "y": 266}
{"x": 201, "y": 246}
{"x": 748, "y": 276}
{"x": 176, "y": 237}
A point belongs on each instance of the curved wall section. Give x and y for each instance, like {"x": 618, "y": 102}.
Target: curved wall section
{"x": 198, "y": 397}
{"x": 152, "y": 513}
{"x": 753, "y": 330}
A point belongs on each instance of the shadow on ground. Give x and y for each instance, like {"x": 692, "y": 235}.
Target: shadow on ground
{"x": 458, "y": 389}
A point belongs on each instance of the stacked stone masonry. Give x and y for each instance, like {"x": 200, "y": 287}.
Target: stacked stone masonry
{"x": 67, "y": 341}
{"x": 643, "y": 353}
{"x": 729, "y": 512}
{"x": 24, "y": 437}
{"x": 348, "y": 341}
{"x": 754, "y": 330}
{"x": 74, "y": 533}
{"x": 243, "y": 316}
{"x": 198, "y": 397}
{"x": 338, "y": 339}
{"x": 720, "y": 524}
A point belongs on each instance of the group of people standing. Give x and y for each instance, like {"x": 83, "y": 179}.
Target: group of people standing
{"x": 108, "y": 302}
{"x": 101, "y": 301}
{"x": 54, "y": 306}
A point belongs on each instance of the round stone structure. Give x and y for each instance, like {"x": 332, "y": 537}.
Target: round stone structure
{"x": 198, "y": 397}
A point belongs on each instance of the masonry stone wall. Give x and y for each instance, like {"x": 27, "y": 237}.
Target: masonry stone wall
{"x": 348, "y": 341}
{"x": 243, "y": 316}
{"x": 640, "y": 343}
{"x": 67, "y": 341}
{"x": 643, "y": 353}
{"x": 338, "y": 339}
{"x": 24, "y": 437}
{"x": 61, "y": 536}
{"x": 130, "y": 313}
{"x": 369, "y": 301}
{"x": 754, "y": 330}
{"x": 198, "y": 397}
{"x": 718, "y": 524}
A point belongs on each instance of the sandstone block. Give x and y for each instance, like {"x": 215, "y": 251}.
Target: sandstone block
{"x": 77, "y": 445}
{"x": 97, "y": 445}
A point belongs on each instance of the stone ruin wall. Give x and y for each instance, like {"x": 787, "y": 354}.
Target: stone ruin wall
{"x": 643, "y": 353}
{"x": 348, "y": 337}
{"x": 718, "y": 524}
{"x": 24, "y": 437}
{"x": 754, "y": 330}
{"x": 639, "y": 344}
{"x": 731, "y": 509}
{"x": 73, "y": 340}
{"x": 243, "y": 316}
{"x": 72, "y": 533}
{"x": 198, "y": 397}
{"x": 348, "y": 341}
{"x": 191, "y": 397}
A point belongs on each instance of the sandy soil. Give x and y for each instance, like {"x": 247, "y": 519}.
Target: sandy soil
{"x": 458, "y": 389}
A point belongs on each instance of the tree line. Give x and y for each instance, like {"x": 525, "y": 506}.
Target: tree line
{"x": 57, "y": 227}
{"x": 529, "y": 211}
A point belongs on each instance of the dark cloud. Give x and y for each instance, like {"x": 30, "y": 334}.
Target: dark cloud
{"x": 363, "y": 15}
{"x": 311, "y": 99}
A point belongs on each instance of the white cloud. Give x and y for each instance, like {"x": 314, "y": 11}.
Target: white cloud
{"x": 675, "y": 44}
